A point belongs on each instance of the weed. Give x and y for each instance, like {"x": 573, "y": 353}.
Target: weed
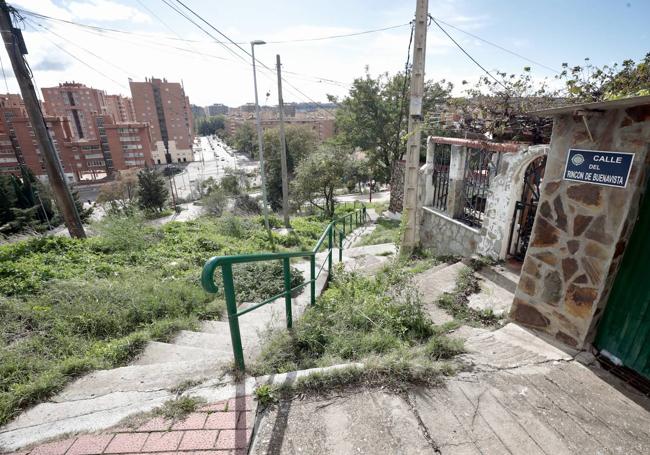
{"x": 70, "y": 306}
{"x": 356, "y": 319}
{"x": 266, "y": 395}
{"x": 184, "y": 386}
{"x": 442, "y": 348}
{"x": 456, "y": 302}
{"x": 178, "y": 408}
{"x": 386, "y": 231}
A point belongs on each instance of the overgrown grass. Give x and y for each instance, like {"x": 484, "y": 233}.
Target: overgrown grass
{"x": 456, "y": 302}
{"x": 70, "y": 306}
{"x": 359, "y": 319}
{"x": 178, "y": 408}
{"x": 386, "y": 231}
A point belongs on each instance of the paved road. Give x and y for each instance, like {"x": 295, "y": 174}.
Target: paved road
{"x": 211, "y": 158}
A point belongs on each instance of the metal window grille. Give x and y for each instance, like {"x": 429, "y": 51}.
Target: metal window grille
{"x": 441, "y": 160}
{"x": 476, "y": 182}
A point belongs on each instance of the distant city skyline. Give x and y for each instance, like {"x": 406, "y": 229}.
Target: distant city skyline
{"x": 160, "y": 43}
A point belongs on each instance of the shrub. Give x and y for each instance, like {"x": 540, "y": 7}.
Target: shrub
{"x": 123, "y": 233}
{"x": 356, "y": 317}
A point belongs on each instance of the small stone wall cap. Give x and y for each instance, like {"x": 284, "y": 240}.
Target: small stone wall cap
{"x": 597, "y": 106}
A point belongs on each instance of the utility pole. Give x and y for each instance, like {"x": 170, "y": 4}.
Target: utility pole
{"x": 260, "y": 142}
{"x": 283, "y": 150}
{"x": 409, "y": 241}
{"x": 16, "y": 49}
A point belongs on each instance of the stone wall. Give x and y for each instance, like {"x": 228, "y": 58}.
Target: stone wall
{"x": 505, "y": 190}
{"x": 581, "y": 229}
{"x": 443, "y": 235}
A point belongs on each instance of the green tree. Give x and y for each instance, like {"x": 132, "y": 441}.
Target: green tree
{"x": 500, "y": 109}
{"x": 588, "y": 83}
{"x": 373, "y": 117}
{"x": 300, "y": 141}
{"x": 211, "y": 125}
{"x": 25, "y": 203}
{"x": 152, "y": 190}
{"x": 319, "y": 175}
{"x": 245, "y": 139}
{"x": 120, "y": 196}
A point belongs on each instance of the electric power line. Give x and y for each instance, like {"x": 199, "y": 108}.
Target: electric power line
{"x": 4, "y": 75}
{"x": 244, "y": 50}
{"x": 467, "y": 53}
{"x": 82, "y": 61}
{"x": 288, "y": 41}
{"x": 496, "y": 45}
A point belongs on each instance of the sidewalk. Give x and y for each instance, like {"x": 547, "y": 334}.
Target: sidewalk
{"x": 220, "y": 428}
{"x": 523, "y": 397}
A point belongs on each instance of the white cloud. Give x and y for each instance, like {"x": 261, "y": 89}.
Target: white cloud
{"x": 209, "y": 79}
{"x": 107, "y": 10}
{"x": 93, "y": 10}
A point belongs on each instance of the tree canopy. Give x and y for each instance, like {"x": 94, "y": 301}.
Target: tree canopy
{"x": 374, "y": 116}
{"x": 245, "y": 139}
{"x": 319, "y": 175}
{"x": 152, "y": 190}
{"x": 207, "y": 126}
{"x": 301, "y": 141}
{"x": 586, "y": 83}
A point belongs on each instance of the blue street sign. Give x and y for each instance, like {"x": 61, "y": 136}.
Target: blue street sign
{"x": 599, "y": 168}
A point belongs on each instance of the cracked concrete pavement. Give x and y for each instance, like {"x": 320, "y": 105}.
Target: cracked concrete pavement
{"x": 520, "y": 395}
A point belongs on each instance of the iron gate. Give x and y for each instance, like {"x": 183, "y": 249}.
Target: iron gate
{"x": 441, "y": 160}
{"x": 525, "y": 209}
{"x": 476, "y": 182}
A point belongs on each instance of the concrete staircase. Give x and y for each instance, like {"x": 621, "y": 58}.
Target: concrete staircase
{"x": 103, "y": 398}
{"x": 497, "y": 286}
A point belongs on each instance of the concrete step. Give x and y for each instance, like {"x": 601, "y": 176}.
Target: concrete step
{"x": 432, "y": 284}
{"x": 156, "y": 352}
{"x": 209, "y": 341}
{"x": 495, "y": 293}
{"x": 140, "y": 378}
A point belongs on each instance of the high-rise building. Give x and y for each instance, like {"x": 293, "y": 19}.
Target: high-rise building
{"x": 217, "y": 109}
{"x": 116, "y": 146}
{"x": 121, "y": 108}
{"x": 79, "y": 104}
{"x": 165, "y": 107}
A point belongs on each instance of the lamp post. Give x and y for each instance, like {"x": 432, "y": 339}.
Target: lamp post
{"x": 260, "y": 140}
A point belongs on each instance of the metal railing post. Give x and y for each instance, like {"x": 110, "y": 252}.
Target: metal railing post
{"x": 233, "y": 319}
{"x": 341, "y": 237}
{"x": 286, "y": 266}
{"x": 330, "y": 245}
{"x": 312, "y": 267}
{"x": 365, "y": 214}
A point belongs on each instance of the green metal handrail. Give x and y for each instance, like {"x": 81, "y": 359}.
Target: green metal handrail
{"x": 355, "y": 218}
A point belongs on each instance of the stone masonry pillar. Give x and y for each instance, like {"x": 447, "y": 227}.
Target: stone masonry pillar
{"x": 455, "y": 201}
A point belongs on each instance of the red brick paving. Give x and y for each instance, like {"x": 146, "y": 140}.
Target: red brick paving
{"x": 198, "y": 439}
{"x": 194, "y": 421}
{"x": 221, "y": 428}
{"x": 90, "y": 444}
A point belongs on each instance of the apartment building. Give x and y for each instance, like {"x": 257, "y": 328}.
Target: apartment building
{"x": 166, "y": 108}
{"x": 121, "y": 108}
{"x": 116, "y": 146}
{"x": 79, "y": 104}
{"x": 323, "y": 128}
{"x": 217, "y": 109}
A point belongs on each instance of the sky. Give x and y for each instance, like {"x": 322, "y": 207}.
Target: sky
{"x": 162, "y": 43}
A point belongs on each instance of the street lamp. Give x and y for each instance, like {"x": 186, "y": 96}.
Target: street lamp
{"x": 260, "y": 139}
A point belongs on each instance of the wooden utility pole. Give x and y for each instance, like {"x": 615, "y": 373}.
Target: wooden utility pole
{"x": 283, "y": 150}
{"x": 410, "y": 240}
{"x": 16, "y": 49}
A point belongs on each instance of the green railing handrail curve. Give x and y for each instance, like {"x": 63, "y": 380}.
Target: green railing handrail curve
{"x": 226, "y": 263}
